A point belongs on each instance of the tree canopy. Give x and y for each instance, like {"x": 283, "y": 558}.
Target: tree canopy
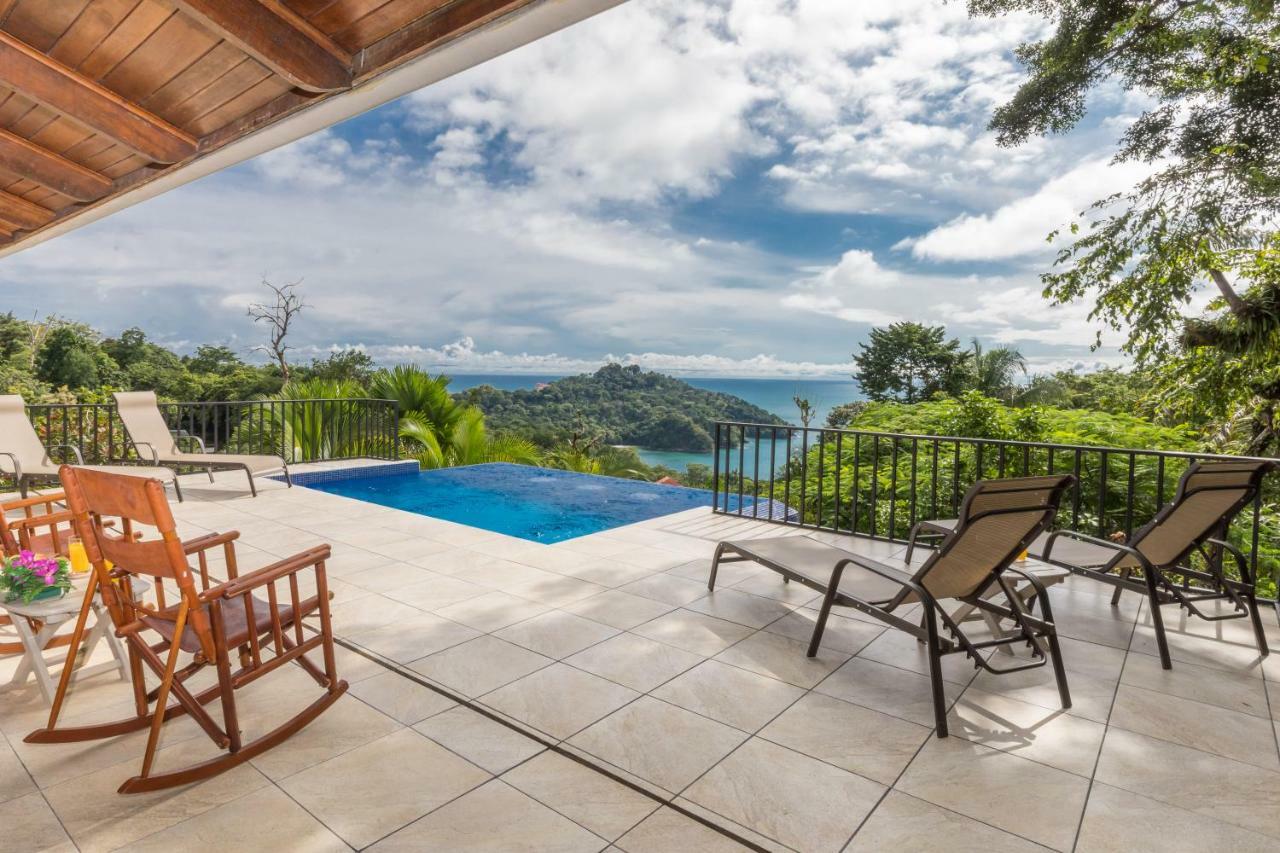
{"x": 907, "y": 362}
{"x": 1206, "y": 213}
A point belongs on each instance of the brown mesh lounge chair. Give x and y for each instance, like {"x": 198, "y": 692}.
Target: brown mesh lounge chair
{"x": 24, "y": 457}
{"x": 1004, "y": 517}
{"x": 1208, "y": 498}
{"x": 213, "y": 623}
{"x": 150, "y": 435}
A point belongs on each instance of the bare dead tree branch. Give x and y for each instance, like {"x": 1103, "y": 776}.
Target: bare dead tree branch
{"x": 278, "y": 314}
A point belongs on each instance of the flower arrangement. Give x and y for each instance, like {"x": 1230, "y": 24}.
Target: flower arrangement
{"x": 28, "y": 577}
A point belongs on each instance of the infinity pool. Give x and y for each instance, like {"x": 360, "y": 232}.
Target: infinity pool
{"x": 540, "y": 504}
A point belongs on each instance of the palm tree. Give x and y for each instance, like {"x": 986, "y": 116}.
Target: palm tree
{"x": 437, "y": 430}
{"x": 307, "y": 419}
{"x": 994, "y": 372}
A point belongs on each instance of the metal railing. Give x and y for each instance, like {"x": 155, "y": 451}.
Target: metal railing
{"x": 296, "y": 430}
{"x": 880, "y": 484}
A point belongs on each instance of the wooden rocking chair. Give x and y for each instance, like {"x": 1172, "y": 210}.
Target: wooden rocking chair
{"x": 211, "y": 623}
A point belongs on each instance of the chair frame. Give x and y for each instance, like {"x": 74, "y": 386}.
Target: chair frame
{"x": 17, "y": 535}
{"x": 180, "y": 458}
{"x": 1197, "y": 586}
{"x": 198, "y": 610}
{"x": 1039, "y": 633}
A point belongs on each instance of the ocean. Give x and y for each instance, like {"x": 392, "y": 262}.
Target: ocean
{"x": 772, "y": 395}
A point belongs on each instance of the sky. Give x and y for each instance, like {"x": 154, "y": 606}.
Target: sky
{"x": 706, "y": 187}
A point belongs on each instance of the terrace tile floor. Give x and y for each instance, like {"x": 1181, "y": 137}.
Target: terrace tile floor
{"x": 593, "y": 695}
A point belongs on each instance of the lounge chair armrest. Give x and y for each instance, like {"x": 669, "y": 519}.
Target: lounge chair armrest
{"x": 197, "y": 439}
{"x": 1118, "y": 547}
{"x": 155, "y": 457}
{"x": 268, "y": 574}
{"x": 1242, "y": 562}
{"x": 875, "y": 568}
{"x": 75, "y": 451}
{"x": 1035, "y": 582}
{"x": 17, "y": 466}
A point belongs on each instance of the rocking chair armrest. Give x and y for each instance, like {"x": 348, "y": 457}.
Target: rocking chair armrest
{"x": 268, "y": 574}
{"x": 209, "y": 540}
{"x": 49, "y": 519}
{"x": 1118, "y": 547}
{"x": 49, "y": 498}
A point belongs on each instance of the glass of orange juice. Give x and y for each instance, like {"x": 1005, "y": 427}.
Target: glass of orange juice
{"x": 78, "y": 556}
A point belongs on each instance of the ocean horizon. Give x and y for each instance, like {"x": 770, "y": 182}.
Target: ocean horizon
{"x": 771, "y": 394}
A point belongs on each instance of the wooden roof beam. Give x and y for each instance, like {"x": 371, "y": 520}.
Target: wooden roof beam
{"x": 277, "y": 37}
{"x": 22, "y": 157}
{"x": 49, "y": 82}
{"x": 22, "y": 213}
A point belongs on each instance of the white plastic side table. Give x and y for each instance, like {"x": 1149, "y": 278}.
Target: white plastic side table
{"x": 54, "y": 613}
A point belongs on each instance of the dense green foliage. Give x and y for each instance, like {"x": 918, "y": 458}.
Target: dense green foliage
{"x": 625, "y": 405}
{"x": 1206, "y": 214}
{"x": 439, "y": 431}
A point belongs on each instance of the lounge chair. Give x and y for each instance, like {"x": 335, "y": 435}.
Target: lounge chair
{"x": 1003, "y": 517}
{"x": 1209, "y": 496}
{"x": 230, "y": 627}
{"x": 25, "y": 458}
{"x": 150, "y": 435}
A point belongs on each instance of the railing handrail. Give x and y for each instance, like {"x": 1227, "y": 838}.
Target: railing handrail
{"x": 1009, "y": 442}
{"x": 330, "y": 427}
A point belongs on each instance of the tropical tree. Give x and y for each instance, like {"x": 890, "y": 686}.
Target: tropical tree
{"x": 908, "y": 362}
{"x": 1206, "y": 214}
{"x": 437, "y": 430}
{"x": 994, "y": 372}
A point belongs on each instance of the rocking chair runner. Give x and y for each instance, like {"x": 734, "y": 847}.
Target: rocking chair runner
{"x": 210, "y": 623}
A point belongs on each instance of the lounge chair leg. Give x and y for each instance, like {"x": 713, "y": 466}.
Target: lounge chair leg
{"x": 22, "y": 488}
{"x": 911, "y": 545}
{"x": 1115, "y": 596}
{"x": 288, "y": 480}
{"x": 715, "y": 567}
{"x": 935, "y": 672}
{"x": 209, "y": 471}
{"x": 1059, "y": 671}
{"x": 253, "y": 490}
{"x": 177, "y": 489}
{"x": 1258, "y": 630}
{"x": 1157, "y": 620}
{"x": 827, "y": 601}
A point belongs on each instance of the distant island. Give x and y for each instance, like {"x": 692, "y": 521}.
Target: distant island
{"x": 625, "y": 405}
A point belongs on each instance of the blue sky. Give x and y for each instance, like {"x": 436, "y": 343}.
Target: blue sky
{"x": 720, "y": 187}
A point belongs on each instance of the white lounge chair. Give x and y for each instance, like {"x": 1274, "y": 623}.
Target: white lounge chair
{"x": 26, "y": 459}
{"x": 149, "y": 433}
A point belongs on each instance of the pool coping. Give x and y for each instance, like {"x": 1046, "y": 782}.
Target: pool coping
{"x": 352, "y": 472}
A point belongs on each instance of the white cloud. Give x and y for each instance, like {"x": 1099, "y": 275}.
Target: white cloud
{"x": 465, "y": 357}
{"x": 539, "y": 202}
{"x": 1020, "y": 227}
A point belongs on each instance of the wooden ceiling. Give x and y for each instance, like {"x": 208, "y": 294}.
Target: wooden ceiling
{"x": 100, "y": 96}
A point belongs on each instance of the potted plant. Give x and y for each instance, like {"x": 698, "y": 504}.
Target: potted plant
{"x": 29, "y": 578}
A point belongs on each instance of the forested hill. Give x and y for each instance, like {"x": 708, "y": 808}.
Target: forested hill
{"x": 623, "y": 404}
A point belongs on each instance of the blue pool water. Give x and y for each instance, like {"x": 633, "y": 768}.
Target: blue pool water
{"x": 539, "y": 504}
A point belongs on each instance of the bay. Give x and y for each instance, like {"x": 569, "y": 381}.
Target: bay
{"x": 772, "y": 395}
